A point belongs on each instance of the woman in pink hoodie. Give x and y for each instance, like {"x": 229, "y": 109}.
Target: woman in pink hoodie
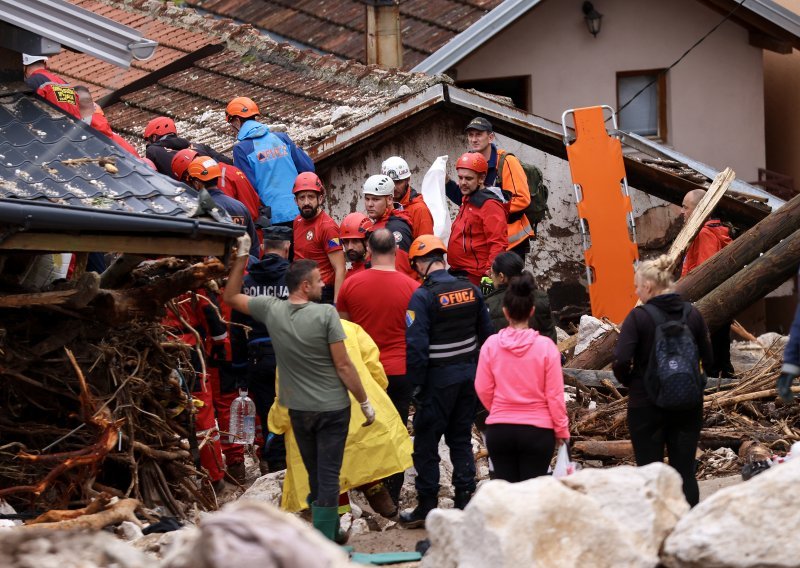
{"x": 519, "y": 380}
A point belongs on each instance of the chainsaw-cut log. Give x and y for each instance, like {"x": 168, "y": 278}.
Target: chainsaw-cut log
{"x": 74, "y": 294}
{"x": 618, "y": 449}
{"x": 744, "y": 250}
{"x": 755, "y": 281}
{"x": 122, "y": 510}
{"x": 118, "y": 306}
{"x": 698, "y": 217}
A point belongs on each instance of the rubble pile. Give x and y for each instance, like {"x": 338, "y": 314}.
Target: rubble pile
{"x": 93, "y": 407}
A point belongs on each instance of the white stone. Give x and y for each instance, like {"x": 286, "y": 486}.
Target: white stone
{"x": 610, "y": 517}
{"x": 773, "y": 341}
{"x": 7, "y": 509}
{"x": 44, "y": 548}
{"x": 267, "y": 488}
{"x": 745, "y": 525}
{"x": 129, "y": 531}
{"x": 359, "y": 526}
{"x": 589, "y": 329}
{"x": 561, "y": 335}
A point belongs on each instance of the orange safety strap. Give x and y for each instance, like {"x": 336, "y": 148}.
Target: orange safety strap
{"x": 595, "y": 161}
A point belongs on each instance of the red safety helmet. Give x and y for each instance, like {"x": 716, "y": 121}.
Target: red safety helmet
{"x": 355, "y": 226}
{"x": 181, "y": 161}
{"x": 242, "y": 107}
{"x": 160, "y": 126}
{"x": 204, "y": 169}
{"x": 426, "y": 244}
{"x": 473, "y": 161}
{"x": 307, "y": 181}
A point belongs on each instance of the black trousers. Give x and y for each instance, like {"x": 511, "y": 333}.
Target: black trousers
{"x": 321, "y": 437}
{"x": 400, "y": 390}
{"x": 654, "y": 429}
{"x": 519, "y": 451}
{"x": 261, "y": 386}
{"x": 721, "y": 352}
{"x": 522, "y": 249}
{"x": 449, "y": 411}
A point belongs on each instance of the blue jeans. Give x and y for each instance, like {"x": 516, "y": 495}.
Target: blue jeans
{"x": 445, "y": 411}
{"x": 321, "y": 437}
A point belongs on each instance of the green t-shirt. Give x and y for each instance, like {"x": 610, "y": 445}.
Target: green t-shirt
{"x": 301, "y": 335}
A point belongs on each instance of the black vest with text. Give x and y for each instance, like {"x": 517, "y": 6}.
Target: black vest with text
{"x": 453, "y": 337}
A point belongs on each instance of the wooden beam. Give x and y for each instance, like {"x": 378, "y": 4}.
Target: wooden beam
{"x": 57, "y": 242}
{"x": 768, "y": 42}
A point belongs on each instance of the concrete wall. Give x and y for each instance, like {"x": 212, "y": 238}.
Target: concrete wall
{"x": 781, "y": 94}
{"x": 715, "y": 100}
{"x": 557, "y": 257}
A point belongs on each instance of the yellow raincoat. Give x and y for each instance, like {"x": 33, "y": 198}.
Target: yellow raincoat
{"x": 371, "y": 452}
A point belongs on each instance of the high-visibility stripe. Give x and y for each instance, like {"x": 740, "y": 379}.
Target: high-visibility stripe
{"x": 526, "y": 232}
{"x": 448, "y": 354}
{"x": 451, "y": 345}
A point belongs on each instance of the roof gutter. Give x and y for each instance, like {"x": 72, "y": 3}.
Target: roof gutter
{"x": 78, "y": 29}
{"x": 458, "y": 48}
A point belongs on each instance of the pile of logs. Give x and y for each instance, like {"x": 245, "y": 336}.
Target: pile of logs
{"x": 94, "y": 397}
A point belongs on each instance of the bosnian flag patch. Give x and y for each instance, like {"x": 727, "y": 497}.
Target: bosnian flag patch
{"x": 334, "y": 242}
{"x": 410, "y": 316}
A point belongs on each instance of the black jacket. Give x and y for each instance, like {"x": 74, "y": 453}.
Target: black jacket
{"x": 635, "y": 344}
{"x": 163, "y": 150}
{"x": 542, "y": 320}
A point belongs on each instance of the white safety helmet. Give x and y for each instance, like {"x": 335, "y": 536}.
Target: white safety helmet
{"x": 379, "y": 185}
{"x": 396, "y": 168}
{"x": 30, "y": 59}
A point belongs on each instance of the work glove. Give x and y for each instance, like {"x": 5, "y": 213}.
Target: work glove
{"x": 243, "y": 245}
{"x": 784, "y": 387}
{"x": 369, "y": 412}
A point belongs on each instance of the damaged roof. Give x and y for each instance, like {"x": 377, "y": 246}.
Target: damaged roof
{"x": 309, "y": 95}
{"x": 339, "y": 26}
{"x": 54, "y": 177}
{"x": 175, "y": 44}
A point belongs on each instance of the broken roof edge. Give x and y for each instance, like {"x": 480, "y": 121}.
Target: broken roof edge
{"x": 54, "y": 217}
{"x": 463, "y": 44}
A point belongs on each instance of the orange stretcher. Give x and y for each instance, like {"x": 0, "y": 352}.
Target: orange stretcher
{"x": 605, "y": 212}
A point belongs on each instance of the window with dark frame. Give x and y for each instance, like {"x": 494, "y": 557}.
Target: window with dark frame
{"x": 646, "y": 115}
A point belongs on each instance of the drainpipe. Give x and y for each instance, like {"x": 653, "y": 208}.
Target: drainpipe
{"x": 384, "y": 42}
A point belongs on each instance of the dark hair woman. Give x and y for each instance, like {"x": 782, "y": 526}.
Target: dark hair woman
{"x": 506, "y": 266}
{"x": 654, "y": 429}
{"x": 519, "y": 380}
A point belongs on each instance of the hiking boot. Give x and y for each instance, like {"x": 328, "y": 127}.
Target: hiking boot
{"x": 263, "y": 467}
{"x": 237, "y": 472}
{"x": 416, "y": 518}
{"x": 461, "y": 498}
{"x": 380, "y": 501}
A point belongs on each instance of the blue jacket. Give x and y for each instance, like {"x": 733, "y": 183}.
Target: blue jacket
{"x": 240, "y": 216}
{"x": 271, "y": 161}
{"x": 791, "y": 354}
{"x": 418, "y": 325}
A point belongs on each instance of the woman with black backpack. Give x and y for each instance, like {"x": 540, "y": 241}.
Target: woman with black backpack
{"x": 660, "y": 356}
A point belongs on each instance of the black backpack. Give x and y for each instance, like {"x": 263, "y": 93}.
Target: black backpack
{"x": 537, "y": 210}
{"x": 674, "y": 379}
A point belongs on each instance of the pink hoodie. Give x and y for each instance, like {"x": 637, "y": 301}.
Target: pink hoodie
{"x": 519, "y": 380}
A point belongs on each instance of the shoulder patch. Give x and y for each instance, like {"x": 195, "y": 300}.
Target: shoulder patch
{"x": 410, "y": 317}
{"x": 398, "y": 237}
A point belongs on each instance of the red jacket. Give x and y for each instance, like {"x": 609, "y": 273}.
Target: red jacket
{"x": 712, "y": 238}
{"x": 100, "y": 123}
{"x": 421, "y": 218}
{"x": 399, "y": 223}
{"x": 54, "y": 89}
{"x": 479, "y": 233}
{"x": 235, "y": 184}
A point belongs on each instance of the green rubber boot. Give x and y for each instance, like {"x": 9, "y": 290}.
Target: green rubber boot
{"x": 326, "y": 521}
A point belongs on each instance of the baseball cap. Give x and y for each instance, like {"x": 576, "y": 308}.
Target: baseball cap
{"x": 479, "y": 123}
{"x": 277, "y": 233}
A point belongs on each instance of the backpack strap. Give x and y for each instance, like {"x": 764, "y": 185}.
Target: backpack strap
{"x": 687, "y": 309}
{"x": 655, "y": 314}
{"x": 501, "y": 161}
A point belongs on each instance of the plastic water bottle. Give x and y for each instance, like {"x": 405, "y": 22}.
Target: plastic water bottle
{"x": 242, "y": 426}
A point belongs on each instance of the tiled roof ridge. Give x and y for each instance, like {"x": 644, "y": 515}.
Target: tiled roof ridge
{"x": 245, "y": 39}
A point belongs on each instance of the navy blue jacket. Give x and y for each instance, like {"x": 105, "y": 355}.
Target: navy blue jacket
{"x": 240, "y": 216}
{"x": 418, "y": 324}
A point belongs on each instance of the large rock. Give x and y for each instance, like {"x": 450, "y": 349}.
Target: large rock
{"x": 267, "y": 488}
{"x": 45, "y": 548}
{"x": 614, "y": 517}
{"x": 589, "y": 329}
{"x": 746, "y": 525}
{"x": 249, "y": 533}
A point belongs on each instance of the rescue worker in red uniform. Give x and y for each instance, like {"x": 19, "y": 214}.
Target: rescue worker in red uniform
{"x": 353, "y": 232}
{"x": 316, "y": 235}
{"x": 405, "y": 198}
{"x": 93, "y": 115}
{"x": 161, "y": 137}
{"x": 479, "y": 231}
{"x": 193, "y": 312}
{"x": 49, "y": 85}
{"x": 204, "y": 173}
{"x": 379, "y": 203}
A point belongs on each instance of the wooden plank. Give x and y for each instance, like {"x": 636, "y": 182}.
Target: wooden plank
{"x": 58, "y": 242}
{"x": 698, "y": 217}
{"x": 36, "y": 299}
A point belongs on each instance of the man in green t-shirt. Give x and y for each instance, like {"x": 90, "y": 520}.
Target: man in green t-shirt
{"x": 315, "y": 374}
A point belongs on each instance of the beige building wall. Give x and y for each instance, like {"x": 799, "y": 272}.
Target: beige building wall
{"x": 781, "y": 97}
{"x": 715, "y": 96}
